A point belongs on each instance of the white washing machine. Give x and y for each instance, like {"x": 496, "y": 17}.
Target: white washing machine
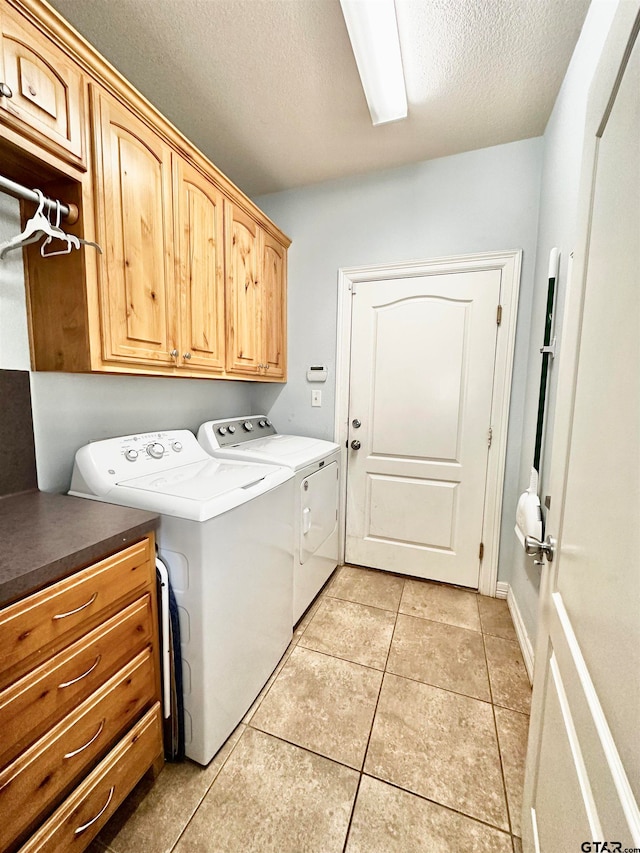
{"x": 316, "y": 464}
{"x": 226, "y": 536}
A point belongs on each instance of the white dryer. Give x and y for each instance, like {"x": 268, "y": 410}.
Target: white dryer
{"x": 226, "y": 536}
{"x": 316, "y": 464}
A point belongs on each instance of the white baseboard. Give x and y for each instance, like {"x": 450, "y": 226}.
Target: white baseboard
{"x": 523, "y": 637}
{"x": 502, "y": 589}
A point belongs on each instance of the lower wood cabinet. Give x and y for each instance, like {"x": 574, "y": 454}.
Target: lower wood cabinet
{"x": 80, "y": 716}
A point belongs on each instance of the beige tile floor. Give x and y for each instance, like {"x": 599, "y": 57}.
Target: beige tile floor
{"x": 396, "y": 722}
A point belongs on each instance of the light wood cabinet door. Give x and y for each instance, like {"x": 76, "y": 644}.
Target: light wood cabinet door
{"x": 274, "y": 307}
{"x": 89, "y": 807}
{"x": 199, "y": 218}
{"x": 244, "y": 355}
{"x": 45, "y": 104}
{"x": 134, "y": 217}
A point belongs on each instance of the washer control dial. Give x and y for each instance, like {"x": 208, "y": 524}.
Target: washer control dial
{"x": 248, "y": 426}
{"x": 262, "y": 423}
{"x": 177, "y": 446}
{"x": 268, "y": 422}
{"x": 222, "y": 430}
{"x": 232, "y": 429}
{"x": 131, "y": 454}
{"x": 156, "y": 450}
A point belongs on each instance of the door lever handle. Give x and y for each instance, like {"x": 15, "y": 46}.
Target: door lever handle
{"x": 535, "y": 548}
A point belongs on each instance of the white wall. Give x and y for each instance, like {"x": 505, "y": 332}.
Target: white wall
{"x": 479, "y": 201}
{"x": 71, "y": 409}
{"x": 14, "y": 338}
{"x": 563, "y": 141}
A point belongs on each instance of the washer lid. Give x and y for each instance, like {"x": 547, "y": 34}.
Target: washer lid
{"x": 293, "y": 451}
{"x": 204, "y": 481}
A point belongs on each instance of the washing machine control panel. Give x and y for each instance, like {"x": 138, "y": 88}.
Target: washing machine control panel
{"x": 119, "y": 459}
{"x": 238, "y": 430}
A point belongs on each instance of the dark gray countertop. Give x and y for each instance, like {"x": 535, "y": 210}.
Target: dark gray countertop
{"x": 45, "y": 537}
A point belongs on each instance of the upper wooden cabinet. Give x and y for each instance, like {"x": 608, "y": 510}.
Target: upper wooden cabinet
{"x": 42, "y": 89}
{"x": 244, "y": 353}
{"x": 274, "y": 307}
{"x": 192, "y": 278}
{"x": 133, "y": 200}
{"x": 199, "y": 230}
{"x": 256, "y": 298}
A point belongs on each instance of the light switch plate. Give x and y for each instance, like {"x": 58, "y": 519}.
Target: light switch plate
{"x": 316, "y": 397}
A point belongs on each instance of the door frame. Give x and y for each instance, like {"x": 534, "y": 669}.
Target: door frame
{"x": 509, "y": 263}
{"x": 607, "y": 77}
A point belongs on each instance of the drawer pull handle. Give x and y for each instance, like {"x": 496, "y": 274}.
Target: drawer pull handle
{"x": 78, "y": 609}
{"x": 88, "y": 743}
{"x": 89, "y": 823}
{"x": 84, "y": 674}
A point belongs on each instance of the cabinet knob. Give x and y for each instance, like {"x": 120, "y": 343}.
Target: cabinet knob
{"x": 5, "y": 91}
{"x": 187, "y": 355}
{"x": 174, "y": 353}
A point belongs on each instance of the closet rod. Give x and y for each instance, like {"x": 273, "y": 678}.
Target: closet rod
{"x": 69, "y": 211}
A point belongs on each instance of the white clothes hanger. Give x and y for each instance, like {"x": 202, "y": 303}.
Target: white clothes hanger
{"x": 71, "y": 240}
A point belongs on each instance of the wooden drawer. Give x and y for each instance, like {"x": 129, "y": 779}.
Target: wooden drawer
{"x": 46, "y": 103}
{"x": 43, "y": 697}
{"x": 91, "y": 805}
{"x": 33, "y": 782}
{"x": 28, "y": 627}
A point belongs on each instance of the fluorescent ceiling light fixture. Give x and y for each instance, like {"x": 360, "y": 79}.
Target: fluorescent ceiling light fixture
{"x": 373, "y": 30}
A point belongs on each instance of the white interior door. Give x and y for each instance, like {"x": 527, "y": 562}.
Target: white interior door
{"x": 583, "y": 768}
{"x": 422, "y": 365}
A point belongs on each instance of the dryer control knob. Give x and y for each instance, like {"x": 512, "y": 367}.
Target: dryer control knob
{"x": 222, "y": 430}
{"x": 232, "y": 429}
{"x": 156, "y": 450}
{"x": 268, "y": 422}
{"x": 262, "y": 423}
{"x": 131, "y": 454}
{"x": 248, "y": 426}
{"x": 177, "y": 446}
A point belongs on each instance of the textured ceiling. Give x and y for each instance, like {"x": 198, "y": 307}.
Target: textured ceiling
{"x": 269, "y": 90}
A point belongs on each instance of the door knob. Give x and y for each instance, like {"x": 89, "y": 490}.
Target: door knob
{"x": 355, "y": 444}
{"x": 356, "y": 423}
{"x": 535, "y": 548}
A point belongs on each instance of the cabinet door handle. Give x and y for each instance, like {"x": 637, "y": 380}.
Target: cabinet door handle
{"x": 84, "y": 674}
{"x": 89, "y": 823}
{"x": 187, "y": 355}
{"x": 173, "y": 353}
{"x": 88, "y": 743}
{"x": 78, "y": 609}
{"x": 5, "y": 91}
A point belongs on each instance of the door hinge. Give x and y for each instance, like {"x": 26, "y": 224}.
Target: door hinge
{"x": 499, "y": 315}
{"x": 481, "y": 551}
{"x": 490, "y": 436}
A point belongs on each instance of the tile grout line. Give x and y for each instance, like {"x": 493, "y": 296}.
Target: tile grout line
{"x": 440, "y": 805}
{"x": 209, "y": 787}
{"x": 373, "y": 719}
{"x": 495, "y": 726}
